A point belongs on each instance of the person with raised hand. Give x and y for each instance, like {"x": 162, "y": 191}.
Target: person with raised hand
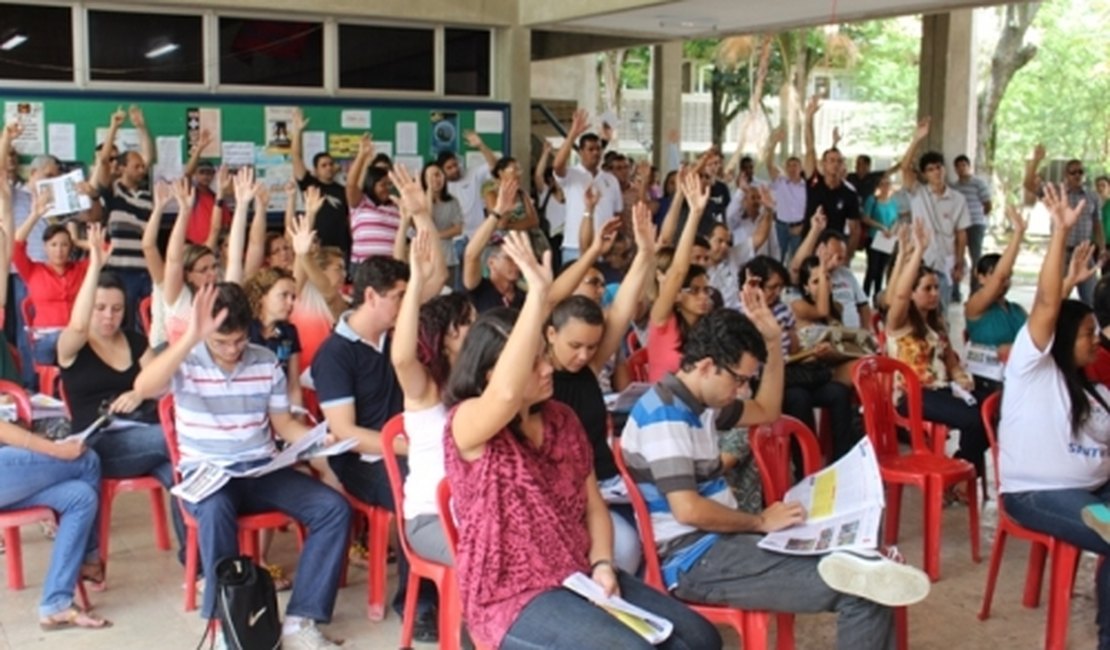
{"x": 576, "y": 179}
{"x": 447, "y": 216}
{"x": 825, "y": 186}
{"x": 319, "y": 274}
{"x": 581, "y": 340}
{"x": 100, "y": 361}
{"x": 246, "y": 189}
{"x": 374, "y": 218}
{"x": 334, "y": 218}
{"x": 1054, "y": 457}
{"x": 416, "y": 208}
{"x": 499, "y": 289}
{"x": 522, "y": 213}
{"x": 187, "y": 268}
{"x": 918, "y": 336}
{"x": 519, "y": 468}
{"x": 684, "y": 292}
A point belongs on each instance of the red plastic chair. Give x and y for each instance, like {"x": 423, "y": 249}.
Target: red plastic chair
{"x": 249, "y": 525}
{"x": 450, "y": 607}
{"x": 638, "y": 365}
{"x": 752, "y": 626}
{"x": 631, "y": 341}
{"x": 1065, "y": 557}
{"x": 48, "y": 375}
{"x": 922, "y": 467}
{"x": 377, "y": 526}
{"x": 770, "y": 445}
{"x": 146, "y": 314}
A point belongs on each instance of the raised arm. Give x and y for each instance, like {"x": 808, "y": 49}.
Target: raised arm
{"x": 415, "y": 382}
{"x": 627, "y": 300}
{"x": 670, "y": 220}
{"x": 156, "y": 375}
{"x": 146, "y": 143}
{"x": 39, "y": 207}
{"x": 578, "y": 126}
{"x": 766, "y": 405}
{"x": 104, "y": 156}
{"x": 586, "y": 228}
{"x": 290, "y": 190}
{"x": 809, "y": 163}
{"x": 256, "y": 238}
{"x": 809, "y": 243}
{"x": 999, "y": 279}
{"x": 296, "y": 145}
{"x": 76, "y": 332}
{"x": 698, "y": 195}
{"x": 173, "y": 276}
{"x": 203, "y": 140}
{"x": 908, "y": 166}
{"x": 475, "y": 140}
{"x": 1031, "y": 182}
{"x": 567, "y": 281}
{"x": 481, "y": 418}
{"x": 358, "y": 170}
{"x": 1046, "y": 303}
{"x": 901, "y": 291}
{"x": 472, "y": 256}
{"x": 415, "y": 203}
{"x": 777, "y": 136}
{"x": 538, "y": 184}
{"x": 151, "y": 255}
{"x": 305, "y": 268}
{"x": 245, "y": 190}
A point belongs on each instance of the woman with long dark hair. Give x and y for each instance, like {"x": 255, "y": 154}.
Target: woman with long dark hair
{"x": 1054, "y": 436}
{"x": 529, "y": 508}
{"x": 374, "y": 219}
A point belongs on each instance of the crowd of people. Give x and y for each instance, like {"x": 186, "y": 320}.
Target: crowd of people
{"x": 495, "y": 320}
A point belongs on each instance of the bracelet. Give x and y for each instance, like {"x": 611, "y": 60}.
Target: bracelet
{"x": 608, "y": 563}
{"x": 493, "y": 213}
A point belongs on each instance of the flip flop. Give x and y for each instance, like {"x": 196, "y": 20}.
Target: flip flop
{"x": 74, "y": 618}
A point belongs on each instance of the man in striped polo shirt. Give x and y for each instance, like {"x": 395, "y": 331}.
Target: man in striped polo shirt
{"x": 707, "y": 547}
{"x": 229, "y": 395}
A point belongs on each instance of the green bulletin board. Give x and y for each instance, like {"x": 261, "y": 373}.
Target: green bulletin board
{"x": 254, "y": 128}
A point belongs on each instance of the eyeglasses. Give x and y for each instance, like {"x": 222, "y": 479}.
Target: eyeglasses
{"x": 1076, "y": 172}
{"x": 697, "y": 291}
{"x": 741, "y": 380}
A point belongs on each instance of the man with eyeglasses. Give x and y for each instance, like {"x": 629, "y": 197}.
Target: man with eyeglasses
{"x": 1089, "y": 226}
{"x": 708, "y": 547}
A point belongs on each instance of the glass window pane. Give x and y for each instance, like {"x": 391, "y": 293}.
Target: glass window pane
{"x": 36, "y": 42}
{"x": 271, "y": 52}
{"x": 125, "y": 46}
{"x": 467, "y": 62}
{"x": 386, "y": 58}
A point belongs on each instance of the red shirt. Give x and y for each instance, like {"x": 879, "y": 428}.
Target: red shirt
{"x": 200, "y": 219}
{"x": 51, "y": 294}
{"x": 1098, "y": 371}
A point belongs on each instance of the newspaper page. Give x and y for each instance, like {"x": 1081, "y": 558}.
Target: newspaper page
{"x": 844, "y": 505}
{"x": 654, "y": 628}
{"x": 62, "y": 193}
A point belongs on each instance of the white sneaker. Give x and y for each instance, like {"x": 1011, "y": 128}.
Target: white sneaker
{"x": 309, "y": 637}
{"x": 875, "y": 578}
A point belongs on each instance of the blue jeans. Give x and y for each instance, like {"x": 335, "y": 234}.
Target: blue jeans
{"x": 136, "y": 452}
{"x": 1056, "y": 512}
{"x": 559, "y": 619}
{"x": 45, "y": 351}
{"x": 22, "y": 341}
{"x": 69, "y": 488}
{"x": 369, "y": 483}
{"x": 136, "y": 286}
{"x": 788, "y": 243}
{"x": 321, "y": 510}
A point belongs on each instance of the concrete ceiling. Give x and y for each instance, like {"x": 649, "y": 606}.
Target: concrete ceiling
{"x": 684, "y": 19}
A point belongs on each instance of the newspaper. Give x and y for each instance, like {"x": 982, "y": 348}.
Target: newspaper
{"x": 46, "y": 406}
{"x": 104, "y": 423}
{"x": 208, "y": 478}
{"x": 654, "y": 628}
{"x": 623, "y": 401}
{"x": 844, "y": 505}
{"x": 62, "y": 194}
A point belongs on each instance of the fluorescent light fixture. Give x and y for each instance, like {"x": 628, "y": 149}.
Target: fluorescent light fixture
{"x": 688, "y": 22}
{"x": 162, "y": 50}
{"x": 13, "y": 41}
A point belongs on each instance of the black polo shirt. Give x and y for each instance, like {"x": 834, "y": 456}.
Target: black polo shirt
{"x": 333, "y": 222}
{"x": 485, "y": 297}
{"x": 841, "y": 203}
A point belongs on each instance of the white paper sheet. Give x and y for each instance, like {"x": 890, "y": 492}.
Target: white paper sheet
{"x": 32, "y": 142}
{"x": 63, "y": 197}
{"x": 882, "y": 243}
{"x": 62, "y": 139}
{"x": 384, "y": 147}
{"x": 237, "y": 154}
{"x": 489, "y": 121}
{"x": 312, "y": 143}
{"x": 126, "y": 139}
{"x": 413, "y": 163}
{"x": 405, "y": 138}
{"x": 351, "y": 119}
{"x": 169, "y": 166}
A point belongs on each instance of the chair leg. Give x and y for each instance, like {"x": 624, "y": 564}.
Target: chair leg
{"x": 754, "y": 630}
{"x": 14, "y": 554}
{"x": 379, "y": 552}
{"x": 450, "y": 613}
{"x": 893, "y": 514}
{"x": 784, "y": 632}
{"x": 107, "y": 496}
{"x": 973, "y": 517}
{"x": 158, "y": 513}
{"x": 1034, "y": 575}
{"x": 191, "y": 547}
{"x": 408, "y": 615}
{"x": 934, "y": 501}
{"x": 902, "y": 627}
{"x": 992, "y": 572}
{"x": 1065, "y": 557}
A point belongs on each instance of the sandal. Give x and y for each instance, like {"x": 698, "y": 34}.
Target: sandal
{"x": 73, "y": 618}
{"x": 277, "y": 574}
{"x": 93, "y": 573}
{"x": 358, "y": 556}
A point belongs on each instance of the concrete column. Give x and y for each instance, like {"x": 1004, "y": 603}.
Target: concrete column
{"x": 513, "y": 84}
{"x": 666, "y": 107}
{"x": 947, "y": 87}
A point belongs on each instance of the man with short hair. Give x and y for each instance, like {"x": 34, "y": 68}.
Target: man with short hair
{"x": 944, "y": 212}
{"x": 789, "y": 190}
{"x": 333, "y": 225}
{"x": 977, "y": 194}
{"x": 576, "y": 180}
{"x": 825, "y": 188}
{"x": 358, "y": 393}
{"x": 229, "y": 398}
{"x": 708, "y": 548}
{"x": 864, "y": 179}
{"x": 1088, "y": 228}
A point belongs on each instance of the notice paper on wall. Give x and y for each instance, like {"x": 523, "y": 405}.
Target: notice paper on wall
{"x": 412, "y": 163}
{"x": 30, "y": 115}
{"x": 405, "y": 138}
{"x": 169, "y": 166}
{"x": 279, "y": 120}
{"x": 489, "y": 121}
{"x": 312, "y": 143}
{"x": 237, "y": 154}
{"x": 63, "y": 195}
{"x": 62, "y": 141}
{"x": 126, "y": 139}
{"x": 354, "y": 119}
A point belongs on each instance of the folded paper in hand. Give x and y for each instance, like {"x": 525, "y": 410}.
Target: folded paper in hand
{"x": 654, "y": 628}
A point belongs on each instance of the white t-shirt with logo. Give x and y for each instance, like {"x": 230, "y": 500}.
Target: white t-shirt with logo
{"x": 574, "y": 185}
{"x": 1037, "y": 450}
{"x": 847, "y": 293}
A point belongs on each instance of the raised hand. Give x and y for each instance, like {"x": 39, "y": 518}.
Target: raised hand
{"x": 593, "y": 195}
{"x": 836, "y": 136}
{"x": 185, "y": 193}
{"x": 41, "y": 202}
{"x": 313, "y": 200}
{"x": 819, "y": 221}
{"x": 778, "y": 135}
{"x": 245, "y": 186}
{"x": 298, "y": 122}
{"x": 922, "y": 130}
{"x": 13, "y": 130}
{"x": 643, "y": 230}
{"x": 608, "y": 235}
{"x": 813, "y": 105}
{"x": 413, "y": 200}
{"x": 905, "y": 238}
{"x": 136, "y": 115}
{"x": 202, "y": 322}
{"x": 421, "y": 260}
{"x": 519, "y": 248}
{"x": 756, "y": 309}
{"x": 203, "y": 140}
{"x": 1080, "y": 268}
{"x": 1017, "y": 222}
{"x": 546, "y": 149}
{"x": 1039, "y": 152}
{"x": 697, "y": 193}
{"x": 921, "y": 234}
{"x": 578, "y": 124}
{"x": 223, "y": 180}
{"x": 300, "y": 234}
{"x": 507, "y": 195}
{"x": 1063, "y": 215}
{"x": 118, "y": 117}
{"x": 163, "y": 192}
{"x": 366, "y": 146}
{"x": 98, "y": 254}
{"x": 290, "y": 189}
{"x": 473, "y": 139}
{"x": 261, "y": 196}
{"x": 766, "y": 198}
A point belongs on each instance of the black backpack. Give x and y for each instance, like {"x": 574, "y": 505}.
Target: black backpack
{"x": 246, "y": 605}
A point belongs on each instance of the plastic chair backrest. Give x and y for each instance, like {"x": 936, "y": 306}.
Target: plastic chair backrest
{"x": 395, "y": 428}
{"x": 146, "y": 314}
{"x": 653, "y": 574}
{"x": 989, "y": 411}
{"x": 631, "y": 341}
{"x": 638, "y": 365}
{"x": 874, "y": 379}
{"x": 27, "y": 310}
{"x": 771, "y": 447}
{"x": 19, "y": 396}
{"x": 169, "y": 430}
{"x": 446, "y": 515}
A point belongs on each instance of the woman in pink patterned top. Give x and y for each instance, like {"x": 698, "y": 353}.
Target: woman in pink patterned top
{"x": 530, "y": 512}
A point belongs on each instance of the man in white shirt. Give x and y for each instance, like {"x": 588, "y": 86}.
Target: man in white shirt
{"x": 789, "y": 190}
{"x": 577, "y": 179}
{"x": 466, "y": 187}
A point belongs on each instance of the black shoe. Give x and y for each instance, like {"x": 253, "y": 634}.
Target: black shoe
{"x": 426, "y": 629}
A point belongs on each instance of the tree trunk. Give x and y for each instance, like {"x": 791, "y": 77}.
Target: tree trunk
{"x": 609, "y": 71}
{"x": 1011, "y": 54}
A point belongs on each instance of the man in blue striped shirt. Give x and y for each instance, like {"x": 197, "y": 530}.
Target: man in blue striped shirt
{"x": 228, "y": 395}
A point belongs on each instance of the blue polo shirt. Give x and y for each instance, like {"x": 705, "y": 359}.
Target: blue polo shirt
{"x": 348, "y": 369}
